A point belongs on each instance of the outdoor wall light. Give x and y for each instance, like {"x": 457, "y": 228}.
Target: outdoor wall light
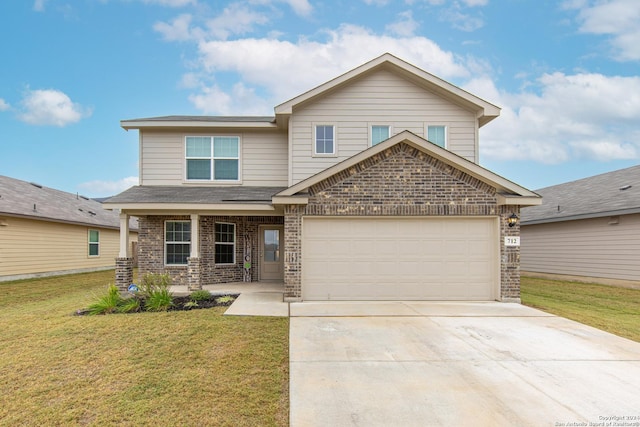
{"x": 512, "y": 220}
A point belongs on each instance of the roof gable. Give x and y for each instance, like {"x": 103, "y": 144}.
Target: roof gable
{"x": 485, "y": 111}
{"x": 507, "y": 191}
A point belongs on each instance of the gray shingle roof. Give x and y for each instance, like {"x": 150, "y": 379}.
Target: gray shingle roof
{"x": 592, "y": 197}
{"x": 195, "y": 195}
{"x": 24, "y": 199}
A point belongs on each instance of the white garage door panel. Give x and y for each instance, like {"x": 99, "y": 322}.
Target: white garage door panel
{"x": 399, "y": 259}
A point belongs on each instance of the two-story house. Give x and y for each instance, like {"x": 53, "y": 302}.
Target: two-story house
{"x": 366, "y": 187}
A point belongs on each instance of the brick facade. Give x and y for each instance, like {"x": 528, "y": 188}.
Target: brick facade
{"x": 203, "y": 270}
{"x": 124, "y": 273}
{"x": 400, "y": 181}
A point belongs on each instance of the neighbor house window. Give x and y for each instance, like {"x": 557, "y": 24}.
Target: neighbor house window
{"x": 177, "y": 242}
{"x": 325, "y": 139}
{"x": 94, "y": 243}
{"x": 437, "y": 135}
{"x": 225, "y": 243}
{"x": 213, "y": 158}
{"x": 379, "y": 133}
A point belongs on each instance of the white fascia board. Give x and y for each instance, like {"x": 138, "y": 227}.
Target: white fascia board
{"x": 136, "y": 124}
{"x": 289, "y": 200}
{"x": 190, "y": 208}
{"x": 509, "y": 200}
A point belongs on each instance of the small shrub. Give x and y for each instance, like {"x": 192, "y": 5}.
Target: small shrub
{"x": 129, "y": 305}
{"x": 200, "y": 295}
{"x": 190, "y": 304}
{"x": 225, "y": 299}
{"x": 107, "y": 303}
{"x": 158, "y": 300}
{"x": 153, "y": 281}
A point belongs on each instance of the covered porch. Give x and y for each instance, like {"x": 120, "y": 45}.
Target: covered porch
{"x": 202, "y": 236}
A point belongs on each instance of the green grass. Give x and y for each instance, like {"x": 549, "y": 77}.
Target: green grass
{"x": 612, "y": 309}
{"x": 172, "y": 368}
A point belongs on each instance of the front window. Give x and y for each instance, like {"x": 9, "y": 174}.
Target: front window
{"x": 225, "y": 243}
{"x": 177, "y": 242}
{"x": 94, "y": 243}
{"x": 379, "y": 134}
{"x": 437, "y": 135}
{"x": 325, "y": 139}
{"x": 213, "y": 158}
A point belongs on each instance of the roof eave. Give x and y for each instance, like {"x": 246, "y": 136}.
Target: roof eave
{"x": 575, "y": 217}
{"x": 152, "y": 124}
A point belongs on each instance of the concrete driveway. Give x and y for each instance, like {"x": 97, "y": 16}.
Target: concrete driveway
{"x": 456, "y": 364}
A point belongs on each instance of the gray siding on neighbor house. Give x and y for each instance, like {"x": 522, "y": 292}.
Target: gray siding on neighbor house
{"x": 263, "y": 156}
{"x": 379, "y": 98}
{"x": 596, "y": 247}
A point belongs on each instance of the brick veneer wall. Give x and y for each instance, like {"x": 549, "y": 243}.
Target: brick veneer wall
{"x": 400, "y": 181}
{"x": 203, "y": 269}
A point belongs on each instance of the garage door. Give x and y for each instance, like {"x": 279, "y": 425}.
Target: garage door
{"x": 399, "y": 259}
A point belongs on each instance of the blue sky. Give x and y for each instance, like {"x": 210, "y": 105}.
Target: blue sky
{"x": 566, "y": 74}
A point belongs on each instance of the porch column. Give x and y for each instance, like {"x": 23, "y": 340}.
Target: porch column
{"x": 193, "y": 262}
{"x": 124, "y": 262}
{"x": 124, "y": 236}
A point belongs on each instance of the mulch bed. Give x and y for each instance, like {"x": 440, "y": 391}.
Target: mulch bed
{"x": 185, "y": 303}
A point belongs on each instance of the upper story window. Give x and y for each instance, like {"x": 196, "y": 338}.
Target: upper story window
{"x": 177, "y": 240}
{"x": 379, "y": 133}
{"x": 94, "y": 243}
{"x": 437, "y": 135}
{"x": 214, "y": 158}
{"x": 325, "y": 139}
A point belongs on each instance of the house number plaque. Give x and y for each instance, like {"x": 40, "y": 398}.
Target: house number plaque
{"x": 512, "y": 241}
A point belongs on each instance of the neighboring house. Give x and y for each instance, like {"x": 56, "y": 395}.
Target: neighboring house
{"x": 46, "y": 232}
{"x": 589, "y": 227}
{"x": 366, "y": 187}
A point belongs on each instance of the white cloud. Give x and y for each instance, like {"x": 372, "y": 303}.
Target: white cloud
{"x": 300, "y": 7}
{"x": 4, "y": 106}
{"x": 178, "y": 30}
{"x": 404, "y": 26}
{"x": 107, "y": 188}
{"x": 51, "y": 107}
{"x": 616, "y": 18}
{"x": 580, "y": 116}
{"x": 473, "y": 3}
{"x": 235, "y": 19}
{"x": 314, "y": 62}
{"x": 376, "y": 2}
{"x": 242, "y": 100}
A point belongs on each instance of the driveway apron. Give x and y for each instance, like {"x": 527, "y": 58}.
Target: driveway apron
{"x": 456, "y": 364}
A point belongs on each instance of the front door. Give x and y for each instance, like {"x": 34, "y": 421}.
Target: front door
{"x": 271, "y": 258}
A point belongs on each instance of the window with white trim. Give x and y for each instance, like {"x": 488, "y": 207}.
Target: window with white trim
{"x": 225, "y": 243}
{"x": 94, "y": 243}
{"x": 214, "y": 158}
{"x": 437, "y": 135}
{"x": 379, "y": 133}
{"x": 325, "y": 139}
{"x": 177, "y": 242}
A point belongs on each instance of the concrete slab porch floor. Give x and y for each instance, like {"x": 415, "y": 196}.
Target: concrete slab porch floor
{"x": 455, "y": 364}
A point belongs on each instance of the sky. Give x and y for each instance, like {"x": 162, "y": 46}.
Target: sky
{"x": 565, "y": 73}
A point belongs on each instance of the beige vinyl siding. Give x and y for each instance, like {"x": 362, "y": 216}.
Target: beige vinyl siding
{"x": 378, "y": 98}
{"x": 34, "y": 246}
{"x": 263, "y": 157}
{"x": 590, "y": 247}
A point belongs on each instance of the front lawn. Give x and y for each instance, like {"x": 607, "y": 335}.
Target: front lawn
{"x": 173, "y": 368}
{"x": 612, "y": 309}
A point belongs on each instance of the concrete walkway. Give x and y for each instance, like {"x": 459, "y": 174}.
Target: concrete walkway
{"x": 455, "y": 364}
{"x": 256, "y": 298}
